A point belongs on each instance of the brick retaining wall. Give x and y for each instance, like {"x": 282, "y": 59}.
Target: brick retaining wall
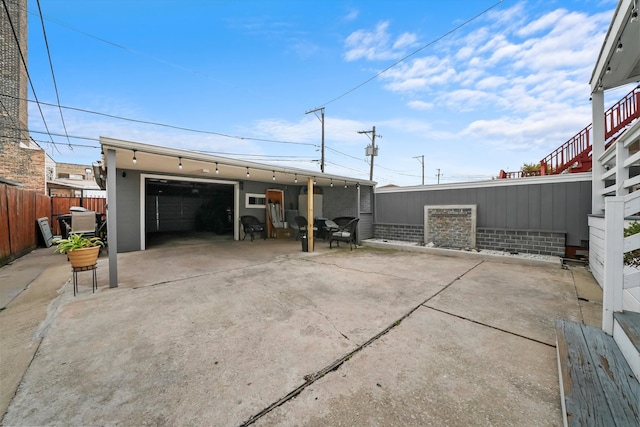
{"x": 533, "y": 242}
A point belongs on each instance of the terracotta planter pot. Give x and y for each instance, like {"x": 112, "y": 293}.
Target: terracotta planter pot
{"x": 85, "y": 257}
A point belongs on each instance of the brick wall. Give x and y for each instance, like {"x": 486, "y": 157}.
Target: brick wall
{"x": 64, "y": 170}
{"x": 533, "y": 242}
{"x": 23, "y": 165}
{"x": 451, "y": 227}
{"x": 530, "y": 242}
{"x": 400, "y": 232}
{"x": 20, "y": 159}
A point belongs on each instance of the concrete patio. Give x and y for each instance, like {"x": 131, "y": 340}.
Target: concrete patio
{"x": 227, "y": 333}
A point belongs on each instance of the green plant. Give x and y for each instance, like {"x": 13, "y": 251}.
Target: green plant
{"x": 632, "y": 258}
{"x": 77, "y": 241}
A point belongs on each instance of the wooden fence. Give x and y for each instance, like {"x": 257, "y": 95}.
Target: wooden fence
{"x": 61, "y": 206}
{"x": 19, "y": 210}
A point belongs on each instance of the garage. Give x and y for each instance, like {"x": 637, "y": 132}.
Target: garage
{"x": 161, "y": 195}
{"x": 174, "y": 206}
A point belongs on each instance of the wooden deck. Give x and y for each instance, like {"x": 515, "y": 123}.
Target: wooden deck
{"x": 597, "y": 385}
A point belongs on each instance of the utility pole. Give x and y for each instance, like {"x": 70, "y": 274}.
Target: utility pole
{"x": 371, "y": 150}
{"x": 321, "y": 118}
{"x": 438, "y": 175}
{"x": 421, "y": 160}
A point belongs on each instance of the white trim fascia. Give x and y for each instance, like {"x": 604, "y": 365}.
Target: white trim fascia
{"x": 143, "y": 196}
{"x": 608, "y": 46}
{"x": 107, "y": 142}
{"x": 534, "y": 180}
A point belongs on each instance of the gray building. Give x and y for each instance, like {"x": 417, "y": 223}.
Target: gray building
{"x": 540, "y": 215}
{"x": 152, "y": 189}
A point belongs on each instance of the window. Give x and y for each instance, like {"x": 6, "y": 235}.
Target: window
{"x": 255, "y": 201}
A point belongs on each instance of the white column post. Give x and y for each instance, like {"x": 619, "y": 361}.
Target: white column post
{"x": 613, "y": 261}
{"x": 597, "y": 144}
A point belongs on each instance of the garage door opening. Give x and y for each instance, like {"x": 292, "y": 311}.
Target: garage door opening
{"x": 182, "y": 210}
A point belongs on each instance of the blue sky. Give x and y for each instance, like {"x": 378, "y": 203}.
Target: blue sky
{"x": 504, "y": 89}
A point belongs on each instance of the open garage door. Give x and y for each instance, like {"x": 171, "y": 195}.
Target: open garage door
{"x": 177, "y": 208}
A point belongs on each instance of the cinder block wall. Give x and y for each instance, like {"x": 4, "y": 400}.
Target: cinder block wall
{"x": 401, "y": 232}
{"x": 531, "y": 242}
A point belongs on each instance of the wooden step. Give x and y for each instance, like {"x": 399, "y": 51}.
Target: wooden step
{"x": 626, "y": 333}
{"x": 597, "y": 385}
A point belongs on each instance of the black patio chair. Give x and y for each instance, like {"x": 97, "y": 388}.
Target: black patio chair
{"x": 252, "y": 226}
{"x": 346, "y": 233}
{"x": 303, "y": 225}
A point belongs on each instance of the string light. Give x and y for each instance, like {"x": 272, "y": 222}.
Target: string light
{"x": 331, "y": 182}
{"x": 273, "y": 177}
{"x": 295, "y": 179}
{"x": 134, "y": 157}
{"x": 345, "y": 184}
{"x": 217, "y": 170}
{"x": 180, "y": 164}
{"x": 248, "y": 175}
{"x": 314, "y": 180}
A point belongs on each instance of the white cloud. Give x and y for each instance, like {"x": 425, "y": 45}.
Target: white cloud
{"x": 420, "y": 105}
{"x": 530, "y": 70}
{"x": 377, "y": 45}
{"x": 351, "y": 15}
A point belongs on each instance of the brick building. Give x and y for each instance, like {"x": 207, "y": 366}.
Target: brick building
{"x": 21, "y": 159}
{"x": 71, "y": 180}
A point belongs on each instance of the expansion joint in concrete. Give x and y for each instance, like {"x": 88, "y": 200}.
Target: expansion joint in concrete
{"x": 313, "y": 377}
{"x": 489, "y": 326}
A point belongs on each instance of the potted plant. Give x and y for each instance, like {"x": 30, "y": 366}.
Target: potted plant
{"x": 81, "y": 251}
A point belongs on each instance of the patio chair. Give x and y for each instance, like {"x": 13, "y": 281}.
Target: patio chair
{"x": 252, "y": 226}
{"x": 275, "y": 217}
{"x": 345, "y": 233}
{"x": 303, "y": 225}
{"x": 83, "y": 223}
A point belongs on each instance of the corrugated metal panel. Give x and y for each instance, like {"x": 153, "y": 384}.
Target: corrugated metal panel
{"x": 557, "y": 205}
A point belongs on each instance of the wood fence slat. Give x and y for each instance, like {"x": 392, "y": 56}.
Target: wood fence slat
{"x": 19, "y": 210}
{"x": 5, "y": 244}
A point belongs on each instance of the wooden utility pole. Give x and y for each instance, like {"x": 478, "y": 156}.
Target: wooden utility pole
{"x": 321, "y": 118}
{"x": 438, "y": 175}
{"x": 421, "y": 160}
{"x": 371, "y": 150}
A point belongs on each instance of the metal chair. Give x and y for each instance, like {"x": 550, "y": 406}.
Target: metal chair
{"x": 251, "y": 226}
{"x": 83, "y": 223}
{"x": 346, "y": 233}
{"x": 303, "y": 226}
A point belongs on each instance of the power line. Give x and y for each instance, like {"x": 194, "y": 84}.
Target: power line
{"x": 437, "y": 39}
{"x": 24, "y": 63}
{"x": 53, "y": 75}
{"x": 146, "y": 122}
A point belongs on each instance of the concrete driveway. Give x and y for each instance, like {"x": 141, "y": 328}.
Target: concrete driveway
{"x": 234, "y": 333}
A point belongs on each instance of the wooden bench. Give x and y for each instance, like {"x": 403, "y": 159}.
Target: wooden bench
{"x": 597, "y": 385}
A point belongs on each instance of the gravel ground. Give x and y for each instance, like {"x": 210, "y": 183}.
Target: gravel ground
{"x": 480, "y": 251}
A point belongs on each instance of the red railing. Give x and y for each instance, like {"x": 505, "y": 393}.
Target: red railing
{"x": 622, "y": 113}
{"x": 567, "y": 154}
{"x": 578, "y": 148}
{"x": 517, "y": 174}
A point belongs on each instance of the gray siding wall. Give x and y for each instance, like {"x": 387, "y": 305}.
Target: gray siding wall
{"x": 548, "y": 204}
{"x": 365, "y": 225}
{"x": 128, "y": 202}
